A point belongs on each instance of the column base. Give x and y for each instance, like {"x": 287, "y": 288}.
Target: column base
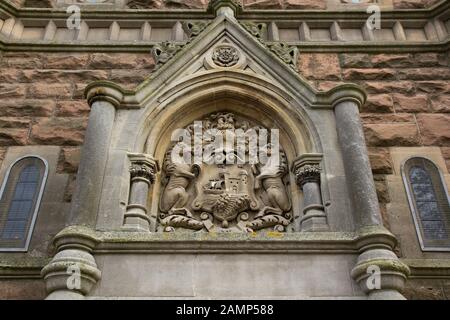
{"x": 380, "y": 274}
{"x": 70, "y": 275}
{"x": 136, "y": 222}
{"x": 314, "y": 220}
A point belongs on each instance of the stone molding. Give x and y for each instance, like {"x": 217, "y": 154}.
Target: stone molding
{"x": 270, "y": 242}
{"x": 435, "y": 35}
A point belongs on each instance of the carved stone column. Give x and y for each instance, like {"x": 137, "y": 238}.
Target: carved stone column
{"x": 307, "y": 172}
{"x": 103, "y": 98}
{"x": 142, "y": 171}
{"x": 377, "y": 258}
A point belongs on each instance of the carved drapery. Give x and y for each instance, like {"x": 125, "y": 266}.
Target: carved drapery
{"x": 221, "y": 193}
{"x": 307, "y": 172}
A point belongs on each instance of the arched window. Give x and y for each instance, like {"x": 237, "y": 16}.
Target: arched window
{"x": 21, "y": 195}
{"x": 429, "y": 203}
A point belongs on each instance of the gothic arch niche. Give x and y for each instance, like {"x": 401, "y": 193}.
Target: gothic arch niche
{"x": 205, "y": 197}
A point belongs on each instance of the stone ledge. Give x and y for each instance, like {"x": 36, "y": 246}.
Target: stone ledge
{"x": 28, "y": 268}
{"x": 268, "y": 242}
{"x": 428, "y": 268}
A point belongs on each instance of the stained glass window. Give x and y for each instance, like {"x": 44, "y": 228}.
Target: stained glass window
{"x": 19, "y": 203}
{"x": 429, "y": 202}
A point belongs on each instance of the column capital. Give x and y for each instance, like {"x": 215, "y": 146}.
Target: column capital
{"x": 143, "y": 166}
{"x": 347, "y": 92}
{"x": 307, "y": 168}
{"x": 104, "y": 91}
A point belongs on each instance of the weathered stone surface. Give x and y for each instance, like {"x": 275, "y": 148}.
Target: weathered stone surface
{"x": 380, "y": 160}
{"x": 323, "y": 66}
{"x": 379, "y": 103}
{"x": 304, "y": 4}
{"x": 413, "y": 4}
{"x": 434, "y": 129}
{"x": 10, "y": 75}
{"x": 414, "y": 104}
{"x": 13, "y": 137}
{"x": 417, "y": 290}
{"x": 186, "y": 4}
{"x": 429, "y": 59}
{"x": 391, "y": 60}
{"x": 59, "y": 131}
{"x": 424, "y": 74}
{"x": 73, "y": 60}
{"x": 20, "y": 107}
{"x": 129, "y": 78}
{"x": 326, "y": 85}
{"x": 446, "y": 155}
{"x": 10, "y": 122}
{"x": 60, "y": 76}
{"x": 387, "y": 135}
{"x": 69, "y": 160}
{"x": 10, "y": 91}
{"x": 70, "y": 188}
{"x": 440, "y": 103}
{"x": 355, "y": 60}
{"x": 374, "y": 87}
{"x": 368, "y": 74}
{"x": 380, "y": 118}
{"x": 263, "y": 4}
{"x": 42, "y": 90}
{"x": 382, "y": 190}
{"x": 433, "y": 86}
{"x": 72, "y": 108}
{"x": 23, "y": 60}
{"x": 121, "y": 61}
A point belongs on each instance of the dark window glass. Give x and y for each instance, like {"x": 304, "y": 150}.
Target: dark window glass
{"x": 19, "y": 201}
{"x": 429, "y": 202}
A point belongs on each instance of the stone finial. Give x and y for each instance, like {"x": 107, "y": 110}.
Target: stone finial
{"x": 143, "y": 167}
{"x": 307, "y": 169}
{"x": 225, "y": 7}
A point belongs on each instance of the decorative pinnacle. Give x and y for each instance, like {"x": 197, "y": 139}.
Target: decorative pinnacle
{"x": 225, "y": 7}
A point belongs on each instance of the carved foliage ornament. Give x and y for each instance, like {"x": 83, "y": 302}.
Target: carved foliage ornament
{"x": 142, "y": 170}
{"x": 224, "y": 195}
{"x": 308, "y": 173}
{"x": 163, "y": 52}
{"x": 287, "y": 53}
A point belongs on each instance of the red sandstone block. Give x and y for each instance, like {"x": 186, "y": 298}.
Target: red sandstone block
{"x": 373, "y": 87}
{"x": 388, "y": 135}
{"x": 380, "y": 160}
{"x": 379, "y": 103}
{"x": 42, "y": 90}
{"x": 59, "y": 131}
{"x": 434, "y": 129}
{"x": 413, "y": 104}
{"x": 21, "y": 107}
{"x": 72, "y": 108}
{"x": 368, "y": 74}
{"x": 320, "y": 66}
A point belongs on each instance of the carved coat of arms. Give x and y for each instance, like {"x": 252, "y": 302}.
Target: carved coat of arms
{"x": 226, "y": 191}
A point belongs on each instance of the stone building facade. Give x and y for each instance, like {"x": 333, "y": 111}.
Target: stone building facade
{"x": 87, "y": 116}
